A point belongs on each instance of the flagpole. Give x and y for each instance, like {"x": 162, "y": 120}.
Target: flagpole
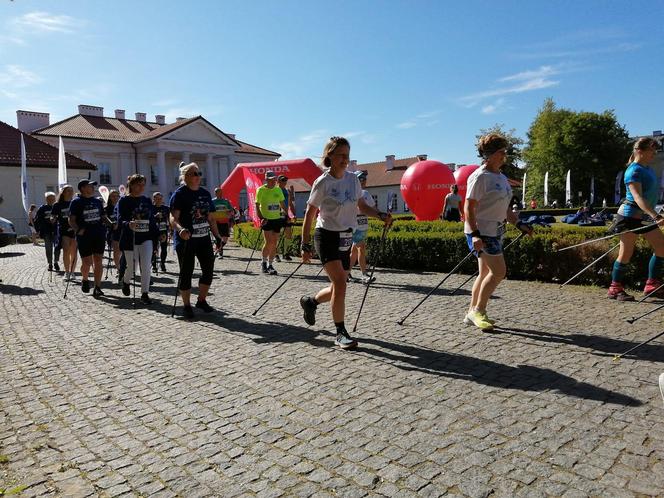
{"x": 62, "y": 164}
{"x": 24, "y": 178}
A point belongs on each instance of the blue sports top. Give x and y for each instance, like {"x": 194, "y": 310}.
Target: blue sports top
{"x": 636, "y": 173}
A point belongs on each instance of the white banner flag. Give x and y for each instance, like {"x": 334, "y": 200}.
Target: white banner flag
{"x": 568, "y": 188}
{"x": 62, "y": 165}
{"x": 523, "y": 190}
{"x": 24, "y": 177}
{"x": 592, "y": 190}
{"x": 546, "y": 189}
{"x": 616, "y": 194}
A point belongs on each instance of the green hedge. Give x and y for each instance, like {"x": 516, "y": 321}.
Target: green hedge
{"x": 440, "y": 245}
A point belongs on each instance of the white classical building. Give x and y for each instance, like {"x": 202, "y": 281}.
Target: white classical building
{"x": 120, "y": 147}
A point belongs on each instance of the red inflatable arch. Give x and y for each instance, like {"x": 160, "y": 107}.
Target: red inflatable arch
{"x": 296, "y": 168}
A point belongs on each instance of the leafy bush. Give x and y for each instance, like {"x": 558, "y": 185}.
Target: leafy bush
{"x": 440, "y": 245}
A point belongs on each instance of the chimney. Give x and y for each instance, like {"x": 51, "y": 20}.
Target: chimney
{"x": 657, "y": 133}
{"x": 232, "y": 135}
{"x": 91, "y": 110}
{"x": 422, "y": 157}
{"x": 160, "y": 119}
{"x": 353, "y": 165}
{"x": 179, "y": 119}
{"x": 389, "y": 163}
{"x": 29, "y": 121}
{"x": 119, "y": 114}
{"x": 141, "y": 116}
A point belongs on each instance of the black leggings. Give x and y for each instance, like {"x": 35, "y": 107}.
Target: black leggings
{"x": 201, "y": 248}
{"x": 163, "y": 246}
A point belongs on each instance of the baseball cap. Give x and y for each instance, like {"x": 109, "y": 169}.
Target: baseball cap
{"x": 361, "y": 174}
{"x": 283, "y": 178}
{"x": 269, "y": 175}
{"x": 83, "y": 183}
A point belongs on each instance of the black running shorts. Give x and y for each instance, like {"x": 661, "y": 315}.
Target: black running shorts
{"x": 273, "y": 225}
{"x": 622, "y": 223}
{"x": 332, "y": 246}
{"x": 224, "y": 229}
{"x": 89, "y": 245}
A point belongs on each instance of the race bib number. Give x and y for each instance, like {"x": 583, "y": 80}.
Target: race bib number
{"x": 91, "y": 216}
{"x": 200, "y": 230}
{"x": 163, "y": 226}
{"x": 362, "y": 222}
{"x": 64, "y": 214}
{"x": 345, "y": 241}
{"x": 142, "y": 226}
{"x": 273, "y": 207}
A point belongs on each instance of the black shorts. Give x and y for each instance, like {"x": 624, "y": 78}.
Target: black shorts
{"x": 224, "y": 229}
{"x": 87, "y": 246}
{"x": 333, "y": 246}
{"x": 622, "y": 223}
{"x": 273, "y": 225}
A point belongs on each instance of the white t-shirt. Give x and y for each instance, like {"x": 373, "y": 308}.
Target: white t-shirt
{"x": 363, "y": 219}
{"x": 493, "y": 194}
{"x": 337, "y": 201}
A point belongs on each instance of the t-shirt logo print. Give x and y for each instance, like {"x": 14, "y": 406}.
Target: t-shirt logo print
{"x": 199, "y": 215}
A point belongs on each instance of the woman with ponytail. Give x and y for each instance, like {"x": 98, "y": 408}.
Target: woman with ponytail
{"x": 642, "y": 190}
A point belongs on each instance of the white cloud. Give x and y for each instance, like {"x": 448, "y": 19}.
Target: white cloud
{"x": 542, "y": 72}
{"x": 423, "y": 118}
{"x": 310, "y": 144}
{"x": 407, "y": 125}
{"x": 16, "y": 76}
{"x": 45, "y": 22}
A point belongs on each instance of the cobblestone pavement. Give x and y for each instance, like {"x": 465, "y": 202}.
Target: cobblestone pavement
{"x": 99, "y": 399}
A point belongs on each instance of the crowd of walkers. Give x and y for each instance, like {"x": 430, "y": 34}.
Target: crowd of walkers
{"x": 135, "y": 230}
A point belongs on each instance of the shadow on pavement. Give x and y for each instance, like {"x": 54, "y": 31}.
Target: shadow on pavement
{"x": 11, "y": 254}
{"x": 604, "y": 346}
{"x": 19, "y": 291}
{"x": 490, "y": 373}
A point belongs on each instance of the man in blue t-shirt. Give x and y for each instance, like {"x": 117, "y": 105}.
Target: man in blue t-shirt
{"x": 88, "y": 220}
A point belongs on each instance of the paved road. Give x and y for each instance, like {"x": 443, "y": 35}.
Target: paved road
{"x": 98, "y": 399}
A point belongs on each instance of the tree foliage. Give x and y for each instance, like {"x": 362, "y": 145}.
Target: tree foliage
{"x": 514, "y": 153}
{"x": 587, "y": 143}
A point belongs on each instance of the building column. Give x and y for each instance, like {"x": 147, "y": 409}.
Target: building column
{"x": 162, "y": 179}
{"x": 89, "y": 156}
{"x": 126, "y": 167}
{"x": 210, "y": 172}
{"x": 230, "y": 164}
{"x": 186, "y": 157}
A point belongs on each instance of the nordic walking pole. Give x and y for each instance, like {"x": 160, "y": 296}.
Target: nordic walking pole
{"x": 649, "y": 294}
{"x": 477, "y": 272}
{"x": 618, "y": 356}
{"x": 177, "y": 287}
{"x": 591, "y": 264}
{"x": 73, "y": 265}
{"x": 258, "y": 239}
{"x": 108, "y": 265}
{"x": 634, "y": 319}
{"x": 133, "y": 266}
{"x": 605, "y": 237}
{"x": 373, "y": 269}
{"x": 277, "y": 289}
{"x": 400, "y": 322}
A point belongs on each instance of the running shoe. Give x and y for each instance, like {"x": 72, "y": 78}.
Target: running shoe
{"x": 287, "y": 258}
{"x": 309, "y": 306}
{"x": 468, "y": 321}
{"x": 351, "y": 278}
{"x": 277, "y": 258}
{"x": 125, "y": 289}
{"x": 204, "y": 306}
{"x": 188, "y": 312}
{"x": 50, "y": 267}
{"x": 145, "y": 299}
{"x": 264, "y": 267}
{"x": 345, "y": 341}
{"x": 154, "y": 267}
{"x": 163, "y": 268}
{"x": 56, "y": 266}
{"x": 367, "y": 279}
{"x": 618, "y": 293}
{"x": 653, "y": 284}
{"x": 271, "y": 270}
{"x": 96, "y": 292}
{"x": 480, "y": 320}
{"x": 85, "y": 286}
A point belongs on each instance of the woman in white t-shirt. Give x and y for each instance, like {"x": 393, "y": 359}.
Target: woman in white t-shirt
{"x": 486, "y": 208}
{"x": 336, "y": 195}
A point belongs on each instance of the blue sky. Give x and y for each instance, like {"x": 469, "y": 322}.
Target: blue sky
{"x": 396, "y": 77}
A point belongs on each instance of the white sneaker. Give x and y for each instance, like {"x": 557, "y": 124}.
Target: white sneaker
{"x": 366, "y": 279}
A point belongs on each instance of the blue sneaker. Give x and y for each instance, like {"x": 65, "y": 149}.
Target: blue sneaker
{"x": 345, "y": 341}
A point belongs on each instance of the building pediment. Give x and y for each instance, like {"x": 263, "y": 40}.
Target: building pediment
{"x": 199, "y": 131}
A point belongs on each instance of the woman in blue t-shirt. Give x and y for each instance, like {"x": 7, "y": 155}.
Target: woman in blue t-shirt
{"x": 137, "y": 230}
{"x": 642, "y": 190}
{"x": 66, "y": 238}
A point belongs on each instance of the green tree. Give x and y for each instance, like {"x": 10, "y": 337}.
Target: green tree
{"x": 587, "y": 143}
{"x": 514, "y": 153}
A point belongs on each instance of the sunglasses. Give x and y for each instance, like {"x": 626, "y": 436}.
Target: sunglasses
{"x": 194, "y": 173}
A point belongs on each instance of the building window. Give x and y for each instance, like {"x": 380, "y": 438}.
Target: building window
{"x": 154, "y": 179}
{"x": 405, "y": 207}
{"x": 104, "y": 173}
{"x": 394, "y": 205}
{"x": 375, "y": 198}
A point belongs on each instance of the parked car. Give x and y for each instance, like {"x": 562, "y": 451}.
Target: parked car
{"x": 8, "y": 233}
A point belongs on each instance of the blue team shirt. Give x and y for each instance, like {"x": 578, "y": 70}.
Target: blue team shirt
{"x": 194, "y": 207}
{"x": 636, "y": 173}
{"x": 137, "y": 209}
{"x": 89, "y": 214}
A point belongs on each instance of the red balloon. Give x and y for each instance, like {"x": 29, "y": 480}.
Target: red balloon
{"x": 424, "y": 186}
{"x": 461, "y": 178}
